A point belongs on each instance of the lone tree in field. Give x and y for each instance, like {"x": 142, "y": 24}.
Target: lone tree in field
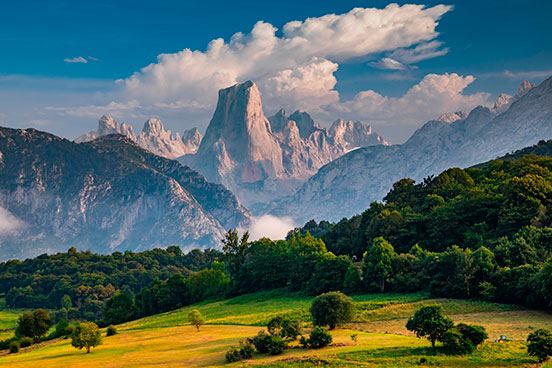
{"x": 331, "y": 309}
{"x": 196, "y": 319}
{"x": 539, "y": 344}
{"x": 430, "y": 322}
{"x": 34, "y": 324}
{"x": 86, "y": 335}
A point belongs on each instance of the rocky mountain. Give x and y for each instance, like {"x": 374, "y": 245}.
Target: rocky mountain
{"x": 262, "y": 158}
{"x": 105, "y": 195}
{"x": 347, "y": 185}
{"x": 153, "y": 137}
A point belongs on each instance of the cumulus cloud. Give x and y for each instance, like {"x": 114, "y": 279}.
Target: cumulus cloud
{"x": 9, "y": 224}
{"x": 268, "y": 226}
{"x": 300, "y": 63}
{"x": 433, "y": 95}
{"x": 78, "y": 59}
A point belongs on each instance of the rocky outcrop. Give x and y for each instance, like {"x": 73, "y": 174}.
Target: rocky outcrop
{"x": 347, "y": 185}
{"x": 153, "y": 137}
{"x": 105, "y": 195}
{"x": 262, "y": 159}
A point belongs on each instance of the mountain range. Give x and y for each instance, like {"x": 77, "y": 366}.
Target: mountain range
{"x": 264, "y": 158}
{"x": 106, "y": 195}
{"x": 347, "y": 185}
{"x": 153, "y": 137}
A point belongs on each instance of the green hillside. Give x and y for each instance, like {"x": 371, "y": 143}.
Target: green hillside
{"x": 167, "y": 340}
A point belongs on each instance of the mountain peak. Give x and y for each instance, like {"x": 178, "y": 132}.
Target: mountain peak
{"x": 108, "y": 124}
{"x": 523, "y": 88}
{"x": 153, "y": 126}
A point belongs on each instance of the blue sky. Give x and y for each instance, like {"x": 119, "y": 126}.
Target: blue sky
{"x": 498, "y": 43}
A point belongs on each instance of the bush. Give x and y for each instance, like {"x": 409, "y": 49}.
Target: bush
{"x": 111, "y": 330}
{"x": 25, "y": 342}
{"x": 233, "y": 355}
{"x": 70, "y": 330}
{"x": 539, "y": 344}
{"x": 14, "y": 347}
{"x": 277, "y": 345}
{"x": 332, "y": 308}
{"x": 454, "y": 343}
{"x": 285, "y": 328}
{"x": 319, "y": 337}
{"x": 290, "y": 330}
{"x": 275, "y": 325}
{"x": 262, "y": 342}
{"x": 475, "y": 334}
{"x": 246, "y": 349}
{"x": 463, "y": 339}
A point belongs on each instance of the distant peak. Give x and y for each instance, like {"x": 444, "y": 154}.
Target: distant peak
{"x": 153, "y": 125}
{"x": 451, "y": 117}
{"x": 107, "y": 122}
{"x": 523, "y": 88}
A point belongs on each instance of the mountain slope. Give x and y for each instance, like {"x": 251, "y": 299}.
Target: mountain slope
{"x": 107, "y": 194}
{"x": 347, "y": 185}
{"x": 262, "y": 158}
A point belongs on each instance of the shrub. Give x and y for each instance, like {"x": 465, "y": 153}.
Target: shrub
{"x": 14, "y": 347}
{"x": 290, "y": 330}
{"x": 285, "y": 328}
{"x": 277, "y": 345}
{"x": 275, "y": 325}
{"x": 111, "y": 330}
{"x": 539, "y": 344}
{"x": 454, "y": 343}
{"x": 233, "y": 355}
{"x": 475, "y": 334}
{"x": 319, "y": 337}
{"x": 262, "y": 342}
{"x": 25, "y": 342}
{"x": 332, "y": 308}
{"x": 246, "y": 349}
{"x": 429, "y": 322}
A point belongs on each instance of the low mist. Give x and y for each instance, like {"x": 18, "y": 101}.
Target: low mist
{"x": 8, "y": 222}
{"x": 268, "y": 226}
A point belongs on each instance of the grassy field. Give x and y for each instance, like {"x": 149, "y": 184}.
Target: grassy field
{"x": 167, "y": 340}
{"x": 8, "y": 320}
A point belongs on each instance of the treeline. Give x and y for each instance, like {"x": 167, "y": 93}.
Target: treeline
{"x": 78, "y": 283}
{"x": 476, "y": 233}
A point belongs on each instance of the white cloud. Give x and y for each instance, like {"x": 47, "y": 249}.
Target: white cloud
{"x": 272, "y": 227}
{"x": 302, "y": 61}
{"x": 423, "y": 51}
{"x": 9, "y": 224}
{"x": 94, "y": 111}
{"x": 388, "y": 64}
{"x": 78, "y": 59}
{"x": 433, "y": 95}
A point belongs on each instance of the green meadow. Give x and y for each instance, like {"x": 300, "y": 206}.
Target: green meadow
{"x": 167, "y": 340}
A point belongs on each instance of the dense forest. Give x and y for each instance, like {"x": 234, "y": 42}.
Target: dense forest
{"x": 80, "y": 282}
{"x": 480, "y": 233}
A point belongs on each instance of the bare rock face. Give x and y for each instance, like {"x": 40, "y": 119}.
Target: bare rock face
{"x": 260, "y": 158}
{"x": 153, "y": 137}
{"x": 347, "y": 185}
{"x": 105, "y": 195}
